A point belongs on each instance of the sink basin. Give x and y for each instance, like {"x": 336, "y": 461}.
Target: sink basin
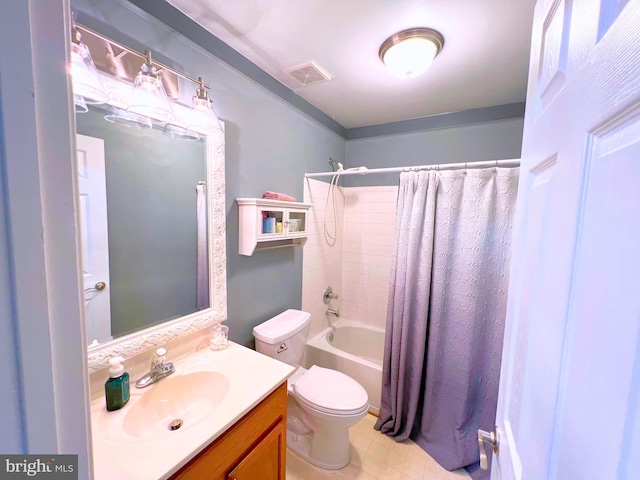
{"x": 188, "y": 398}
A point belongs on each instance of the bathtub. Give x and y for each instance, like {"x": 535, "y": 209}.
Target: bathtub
{"x": 354, "y": 349}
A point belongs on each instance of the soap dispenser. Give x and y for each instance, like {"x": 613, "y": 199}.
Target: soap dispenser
{"x": 117, "y": 387}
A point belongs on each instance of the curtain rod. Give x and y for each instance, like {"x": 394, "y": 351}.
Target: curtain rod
{"x": 443, "y": 166}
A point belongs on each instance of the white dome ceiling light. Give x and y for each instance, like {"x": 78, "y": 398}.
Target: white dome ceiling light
{"x": 409, "y": 53}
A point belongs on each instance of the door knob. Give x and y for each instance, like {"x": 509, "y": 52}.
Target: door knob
{"x": 492, "y": 439}
{"x": 98, "y": 287}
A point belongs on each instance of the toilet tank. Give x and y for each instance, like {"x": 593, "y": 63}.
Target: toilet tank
{"x": 284, "y": 337}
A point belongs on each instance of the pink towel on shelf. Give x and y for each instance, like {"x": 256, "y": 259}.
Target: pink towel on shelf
{"x": 278, "y": 196}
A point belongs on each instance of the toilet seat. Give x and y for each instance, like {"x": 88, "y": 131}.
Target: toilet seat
{"x": 330, "y": 391}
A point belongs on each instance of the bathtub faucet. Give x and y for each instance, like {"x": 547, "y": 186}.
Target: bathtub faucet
{"x": 331, "y": 311}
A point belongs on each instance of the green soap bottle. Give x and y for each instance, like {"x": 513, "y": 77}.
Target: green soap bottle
{"x": 117, "y": 387}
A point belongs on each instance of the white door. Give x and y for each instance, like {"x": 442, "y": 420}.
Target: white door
{"x": 95, "y": 242}
{"x": 569, "y": 402}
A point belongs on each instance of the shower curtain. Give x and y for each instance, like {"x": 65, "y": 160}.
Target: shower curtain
{"x": 446, "y": 310}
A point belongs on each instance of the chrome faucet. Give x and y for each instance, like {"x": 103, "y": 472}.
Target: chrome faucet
{"x": 159, "y": 369}
{"x": 331, "y": 311}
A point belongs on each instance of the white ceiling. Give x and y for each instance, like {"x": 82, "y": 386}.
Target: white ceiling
{"x": 484, "y": 61}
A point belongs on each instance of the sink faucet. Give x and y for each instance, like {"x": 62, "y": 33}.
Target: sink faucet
{"x": 159, "y": 369}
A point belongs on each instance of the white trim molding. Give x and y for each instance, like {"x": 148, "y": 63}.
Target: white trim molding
{"x": 39, "y": 154}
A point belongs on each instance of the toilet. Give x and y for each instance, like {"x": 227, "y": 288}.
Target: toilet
{"x": 322, "y": 403}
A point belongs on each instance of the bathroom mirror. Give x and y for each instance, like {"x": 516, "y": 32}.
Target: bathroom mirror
{"x": 164, "y": 251}
{"x": 152, "y": 270}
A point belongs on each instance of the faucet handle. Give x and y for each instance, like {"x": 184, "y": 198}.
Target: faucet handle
{"x": 328, "y": 295}
{"x": 159, "y": 357}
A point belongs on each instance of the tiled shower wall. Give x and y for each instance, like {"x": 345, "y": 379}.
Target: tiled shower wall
{"x": 322, "y": 262}
{"x": 357, "y": 266}
{"x": 369, "y": 222}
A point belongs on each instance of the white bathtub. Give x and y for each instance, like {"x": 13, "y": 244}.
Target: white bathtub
{"x": 354, "y": 349}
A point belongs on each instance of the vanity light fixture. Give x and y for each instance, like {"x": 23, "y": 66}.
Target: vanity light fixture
{"x": 176, "y": 131}
{"x": 86, "y": 81}
{"x": 203, "y": 117}
{"x": 117, "y": 111}
{"x": 120, "y": 116}
{"x": 148, "y": 100}
{"x": 149, "y": 97}
{"x": 410, "y": 52}
{"x": 81, "y": 105}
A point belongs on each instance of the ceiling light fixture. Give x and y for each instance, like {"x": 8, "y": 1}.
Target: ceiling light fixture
{"x": 409, "y": 53}
{"x": 86, "y": 81}
{"x": 203, "y": 117}
{"x": 149, "y": 97}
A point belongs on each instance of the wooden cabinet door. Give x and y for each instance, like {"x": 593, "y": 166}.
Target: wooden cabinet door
{"x": 266, "y": 461}
{"x": 248, "y": 441}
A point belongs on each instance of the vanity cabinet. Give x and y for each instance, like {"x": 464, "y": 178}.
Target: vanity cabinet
{"x": 287, "y": 229}
{"x": 264, "y": 460}
{"x": 254, "y": 448}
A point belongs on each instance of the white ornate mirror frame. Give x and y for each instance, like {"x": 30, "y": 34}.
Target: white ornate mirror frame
{"x": 139, "y": 342}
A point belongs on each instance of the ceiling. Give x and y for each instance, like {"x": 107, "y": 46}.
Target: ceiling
{"x": 484, "y": 61}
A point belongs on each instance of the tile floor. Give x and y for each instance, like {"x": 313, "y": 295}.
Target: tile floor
{"x": 375, "y": 456}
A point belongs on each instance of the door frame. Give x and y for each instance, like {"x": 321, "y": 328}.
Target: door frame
{"x": 38, "y": 122}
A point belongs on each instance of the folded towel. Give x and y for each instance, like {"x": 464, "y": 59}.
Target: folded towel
{"x": 278, "y": 196}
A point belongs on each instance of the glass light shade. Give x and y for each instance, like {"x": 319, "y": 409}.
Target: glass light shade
{"x": 120, "y": 116}
{"x": 410, "y": 57}
{"x": 176, "y": 131}
{"x": 202, "y": 117}
{"x": 86, "y": 81}
{"x": 81, "y": 105}
{"x": 150, "y": 99}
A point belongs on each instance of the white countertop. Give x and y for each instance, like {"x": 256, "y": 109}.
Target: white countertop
{"x": 116, "y": 455}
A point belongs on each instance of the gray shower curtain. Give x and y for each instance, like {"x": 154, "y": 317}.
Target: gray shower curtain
{"x": 445, "y": 316}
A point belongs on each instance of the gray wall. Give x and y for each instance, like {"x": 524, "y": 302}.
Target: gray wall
{"x": 269, "y": 146}
{"x": 469, "y": 143}
{"x": 151, "y": 213}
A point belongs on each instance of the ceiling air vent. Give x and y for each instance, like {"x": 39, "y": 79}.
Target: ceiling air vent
{"x": 309, "y": 73}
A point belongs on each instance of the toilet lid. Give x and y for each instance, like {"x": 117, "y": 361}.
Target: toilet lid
{"x": 331, "y": 391}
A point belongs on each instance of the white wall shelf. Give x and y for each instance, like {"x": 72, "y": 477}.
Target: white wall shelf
{"x": 289, "y": 229}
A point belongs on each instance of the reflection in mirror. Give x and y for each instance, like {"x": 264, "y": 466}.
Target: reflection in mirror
{"x": 143, "y": 223}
